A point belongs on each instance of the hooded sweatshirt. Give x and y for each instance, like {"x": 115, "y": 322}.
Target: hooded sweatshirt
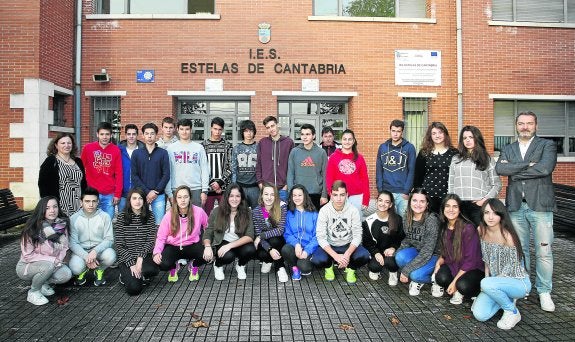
{"x": 338, "y": 228}
{"x": 90, "y": 231}
{"x": 272, "y": 162}
{"x": 103, "y": 168}
{"x": 395, "y": 167}
{"x": 341, "y": 166}
{"x": 182, "y": 237}
{"x": 300, "y": 228}
{"x": 308, "y": 167}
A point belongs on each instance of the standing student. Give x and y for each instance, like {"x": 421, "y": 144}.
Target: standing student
{"x": 103, "y": 164}
{"x": 472, "y": 174}
{"x": 382, "y": 236}
{"x": 273, "y": 152}
{"x": 432, "y": 164}
{"x": 395, "y": 166}
{"x": 168, "y": 133}
{"x": 127, "y": 149}
{"x": 269, "y": 225}
{"x": 348, "y": 165}
{"x": 150, "y": 168}
{"x": 328, "y": 144}
{"x": 135, "y": 232}
{"x": 300, "y": 232}
{"x": 244, "y": 161}
{"x": 44, "y": 244}
{"x": 417, "y": 256}
{"x": 230, "y": 234}
{"x": 459, "y": 268}
{"x": 506, "y": 279}
{"x": 179, "y": 236}
{"x": 529, "y": 163}
{"x": 62, "y": 174}
{"x": 307, "y": 165}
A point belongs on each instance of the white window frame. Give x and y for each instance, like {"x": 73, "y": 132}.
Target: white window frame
{"x": 568, "y": 20}
{"x": 126, "y": 15}
{"x": 399, "y": 17}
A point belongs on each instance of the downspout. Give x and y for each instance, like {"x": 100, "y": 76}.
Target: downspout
{"x": 459, "y": 67}
{"x": 78, "y": 75}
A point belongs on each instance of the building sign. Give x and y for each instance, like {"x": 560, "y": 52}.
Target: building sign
{"x": 145, "y": 76}
{"x": 264, "y": 33}
{"x": 418, "y": 67}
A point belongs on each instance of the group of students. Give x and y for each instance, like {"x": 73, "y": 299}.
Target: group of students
{"x": 450, "y": 231}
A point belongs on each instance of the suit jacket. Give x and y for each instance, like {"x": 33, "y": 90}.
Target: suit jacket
{"x": 532, "y": 183}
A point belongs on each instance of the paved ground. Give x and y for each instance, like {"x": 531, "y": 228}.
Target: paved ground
{"x": 261, "y": 309}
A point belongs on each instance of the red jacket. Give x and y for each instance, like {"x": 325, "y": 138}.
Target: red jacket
{"x": 340, "y": 166}
{"x": 103, "y": 168}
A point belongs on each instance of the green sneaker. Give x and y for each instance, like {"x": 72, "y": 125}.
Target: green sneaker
{"x": 194, "y": 272}
{"x": 350, "y": 276}
{"x": 81, "y": 279}
{"x": 99, "y": 275}
{"x": 173, "y": 275}
{"x": 329, "y": 275}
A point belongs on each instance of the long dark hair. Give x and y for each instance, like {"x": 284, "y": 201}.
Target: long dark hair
{"x": 52, "y": 151}
{"x": 393, "y": 219}
{"x": 175, "y": 219}
{"x": 479, "y": 154}
{"x": 428, "y": 145}
{"x": 307, "y": 202}
{"x": 506, "y": 225}
{"x": 458, "y": 228}
{"x": 243, "y": 216}
{"x": 409, "y": 213}
{"x": 33, "y": 229}
{"x": 129, "y": 212}
{"x": 354, "y": 146}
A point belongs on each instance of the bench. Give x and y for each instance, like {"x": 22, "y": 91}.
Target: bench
{"x": 10, "y": 214}
{"x": 564, "y": 218}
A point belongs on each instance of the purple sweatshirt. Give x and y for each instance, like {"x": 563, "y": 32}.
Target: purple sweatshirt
{"x": 471, "y": 258}
{"x": 272, "y": 161}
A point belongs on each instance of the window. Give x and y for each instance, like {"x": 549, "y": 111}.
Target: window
{"x": 202, "y": 112}
{"x": 293, "y": 114}
{"x": 415, "y": 114}
{"x": 58, "y": 103}
{"x": 370, "y": 8}
{"x": 555, "y": 121}
{"x": 106, "y": 108}
{"x": 549, "y": 11}
{"x": 155, "y": 6}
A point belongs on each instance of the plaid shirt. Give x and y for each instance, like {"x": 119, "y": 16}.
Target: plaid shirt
{"x": 471, "y": 184}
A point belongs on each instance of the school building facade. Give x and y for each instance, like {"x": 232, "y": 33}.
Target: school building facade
{"x": 359, "y": 64}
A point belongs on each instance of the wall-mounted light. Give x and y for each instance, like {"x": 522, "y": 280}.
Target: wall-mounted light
{"x": 101, "y": 77}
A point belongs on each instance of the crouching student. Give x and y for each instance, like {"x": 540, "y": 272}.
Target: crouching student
{"x": 135, "y": 233}
{"x": 339, "y": 236}
{"x": 299, "y": 234}
{"x": 459, "y": 269}
{"x": 269, "y": 224}
{"x": 179, "y": 236}
{"x": 91, "y": 240}
{"x": 44, "y": 244}
{"x": 506, "y": 278}
{"x": 230, "y": 234}
{"x": 416, "y": 256}
{"x": 382, "y": 235}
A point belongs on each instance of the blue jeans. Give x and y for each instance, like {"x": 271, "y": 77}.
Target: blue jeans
{"x": 420, "y": 275}
{"x": 400, "y": 204}
{"x": 106, "y": 203}
{"x": 252, "y": 195}
{"x": 499, "y": 293}
{"x": 540, "y": 223}
{"x": 158, "y": 207}
{"x": 359, "y": 257}
{"x": 122, "y": 204}
{"x": 283, "y": 195}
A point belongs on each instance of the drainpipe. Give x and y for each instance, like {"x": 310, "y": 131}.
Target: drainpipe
{"x": 459, "y": 67}
{"x": 78, "y": 75}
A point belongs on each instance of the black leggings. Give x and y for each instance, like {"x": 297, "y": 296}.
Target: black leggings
{"x": 471, "y": 211}
{"x": 134, "y": 286}
{"x": 288, "y": 253}
{"x": 468, "y": 284}
{"x": 243, "y": 253}
{"x": 388, "y": 263}
{"x": 172, "y": 253}
{"x": 276, "y": 242}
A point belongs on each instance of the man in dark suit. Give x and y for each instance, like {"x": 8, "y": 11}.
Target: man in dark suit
{"x": 529, "y": 163}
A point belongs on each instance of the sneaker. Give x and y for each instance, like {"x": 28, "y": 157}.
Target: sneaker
{"x": 373, "y": 275}
{"x": 436, "y": 290}
{"x": 81, "y": 279}
{"x": 120, "y": 279}
{"x": 194, "y": 272}
{"x": 546, "y": 302}
{"x": 266, "y": 267}
{"x": 415, "y": 288}
{"x": 219, "y": 272}
{"x": 295, "y": 273}
{"x": 456, "y": 299}
{"x": 329, "y": 275}
{"x": 350, "y": 276}
{"x": 182, "y": 262}
{"x": 282, "y": 275}
{"x": 241, "y": 272}
{"x": 99, "y": 275}
{"x": 47, "y": 290}
{"x": 36, "y": 298}
{"x": 509, "y": 319}
{"x": 392, "y": 280}
{"x": 173, "y": 274}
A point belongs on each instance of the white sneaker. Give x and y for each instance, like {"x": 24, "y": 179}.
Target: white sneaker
{"x": 183, "y": 262}
{"x": 373, "y": 275}
{"x": 219, "y": 273}
{"x": 509, "y": 320}
{"x": 282, "y": 275}
{"x": 241, "y": 272}
{"x": 436, "y": 290}
{"x": 392, "y": 280}
{"x": 546, "y": 302}
{"x": 36, "y": 298}
{"x": 457, "y": 298}
{"x": 266, "y": 267}
{"x": 415, "y": 288}
{"x": 47, "y": 290}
